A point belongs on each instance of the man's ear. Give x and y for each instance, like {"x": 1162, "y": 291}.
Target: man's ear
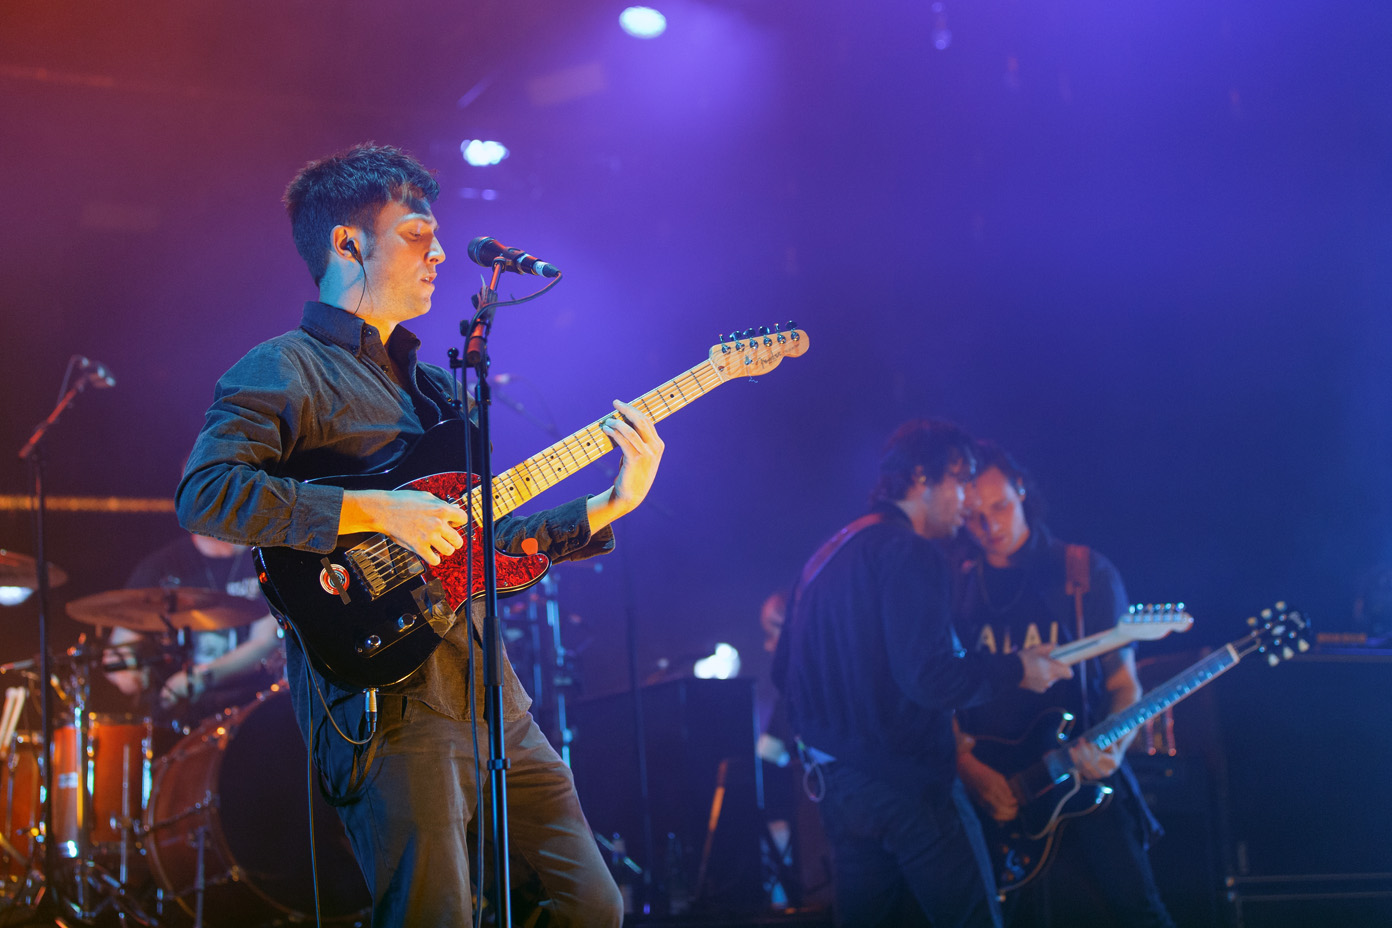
{"x": 346, "y": 243}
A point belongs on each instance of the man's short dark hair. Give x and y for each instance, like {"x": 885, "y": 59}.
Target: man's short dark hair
{"x": 350, "y": 188}
{"x": 927, "y": 447}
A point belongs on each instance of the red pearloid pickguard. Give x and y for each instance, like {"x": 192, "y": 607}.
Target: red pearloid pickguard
{"x": 515, "y": 572}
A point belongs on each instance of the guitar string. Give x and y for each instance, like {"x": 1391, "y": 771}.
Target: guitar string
{"x": 568, "y": 448}
{"x": 402, "y": 559}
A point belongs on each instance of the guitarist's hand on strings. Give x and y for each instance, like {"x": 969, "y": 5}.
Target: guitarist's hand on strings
{"x": 420, "y": 521}
{"x": 1041, "y": 671}
{"x": 634, "y": 434}
{"x": 1092, "y": 762}
{"x": 988, "y": 787}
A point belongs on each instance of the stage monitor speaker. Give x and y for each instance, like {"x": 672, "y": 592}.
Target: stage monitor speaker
{"x": 1309, "y": 756}
{"x": 702, "y": 770}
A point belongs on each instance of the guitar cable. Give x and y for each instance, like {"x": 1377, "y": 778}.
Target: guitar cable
{"x": 310, "y": 779}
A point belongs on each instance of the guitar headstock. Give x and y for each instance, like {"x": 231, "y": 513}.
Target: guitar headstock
{"x": 1278, "y": 632}
{"x": 1154, "y": 621}
{"x": 754, "y": 352}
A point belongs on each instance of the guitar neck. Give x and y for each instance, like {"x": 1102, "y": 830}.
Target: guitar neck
{"x": 1075, "y": 652}
{"x": 1119, "y": 724}
{"x": 550, "y": 466}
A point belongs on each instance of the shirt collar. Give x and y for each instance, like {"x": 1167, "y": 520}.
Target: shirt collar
{"x": 340, "y": 327}
{"x": 333, "y": 325}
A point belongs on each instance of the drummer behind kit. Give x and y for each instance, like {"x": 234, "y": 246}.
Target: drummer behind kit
{"x": 153, "y": 837}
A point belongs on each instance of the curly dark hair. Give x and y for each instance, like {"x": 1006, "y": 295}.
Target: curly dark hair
{"x": 349, "y": 188}
{"x": 930, "y": 447}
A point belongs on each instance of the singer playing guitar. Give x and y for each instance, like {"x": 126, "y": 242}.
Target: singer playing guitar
{"x": 344, "y": 393}
{"x": 1020, "y": 587}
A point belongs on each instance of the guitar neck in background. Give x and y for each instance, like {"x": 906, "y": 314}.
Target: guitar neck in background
{"x": 1119, "y": 724}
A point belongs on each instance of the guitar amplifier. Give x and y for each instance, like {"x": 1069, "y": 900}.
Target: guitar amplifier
{"x": 1309, "y": 758}
{"x": 702, "y": 771}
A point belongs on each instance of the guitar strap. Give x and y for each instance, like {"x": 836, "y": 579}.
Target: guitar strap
{"x": 828, "y": 550}
{"x": 809, "y": 573}
{"x": 1076, "y": 583}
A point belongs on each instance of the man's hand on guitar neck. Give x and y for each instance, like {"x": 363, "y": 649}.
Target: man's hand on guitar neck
{"x": 1092, "y": 762}
{"x": 1041, "y": 671}
{"x": 413, "y": 518}
{"x": 634, "y": 434}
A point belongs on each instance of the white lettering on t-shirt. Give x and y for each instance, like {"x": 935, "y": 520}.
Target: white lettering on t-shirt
{"x": 986, "y": 641}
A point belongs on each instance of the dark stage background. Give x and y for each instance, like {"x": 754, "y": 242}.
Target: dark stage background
{"x": 1144, "y": 245}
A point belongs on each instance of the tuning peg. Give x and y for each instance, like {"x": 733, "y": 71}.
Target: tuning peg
{"x": 1280, "y": 605}
{"x": 720, "y": 337}
{"x": 791, "y": 326}
{"x": 763, "y": 330}
{"x": 1302, "y": 645}
{"x": 1272, "y": 659}
{"x": 1252, "y": 621}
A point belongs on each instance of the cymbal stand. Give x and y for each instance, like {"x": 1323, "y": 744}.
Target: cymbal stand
{"x": 33, "y": 453}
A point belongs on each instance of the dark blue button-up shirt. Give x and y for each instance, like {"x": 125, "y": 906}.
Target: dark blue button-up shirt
{"x": 326, "y": 399}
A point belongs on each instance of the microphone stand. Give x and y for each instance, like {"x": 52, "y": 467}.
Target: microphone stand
{"x": 476, "y": 356}
{"x": 33, "y": 453}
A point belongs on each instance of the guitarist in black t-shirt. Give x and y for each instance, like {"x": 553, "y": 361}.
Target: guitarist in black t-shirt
{"x": 1021, "y": 587}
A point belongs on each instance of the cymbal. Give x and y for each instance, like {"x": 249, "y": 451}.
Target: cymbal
{"x": 21, "y": 570}
{"x": 145, "y": 610}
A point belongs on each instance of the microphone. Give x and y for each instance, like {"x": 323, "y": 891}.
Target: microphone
{"x": 484, "y": 250}
{"x": 97, "y": 373}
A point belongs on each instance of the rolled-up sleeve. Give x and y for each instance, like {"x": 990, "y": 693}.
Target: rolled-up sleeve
{"x": 563, "y": 533}
{"x": 231, "y": 488}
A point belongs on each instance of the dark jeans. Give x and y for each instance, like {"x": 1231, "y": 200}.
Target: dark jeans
{"x": 409, "y": 830}
{"x": 906, "y": 857}
{"x": 1100, "y": 875}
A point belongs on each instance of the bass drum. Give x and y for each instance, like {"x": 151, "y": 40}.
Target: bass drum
{"x": 235, "y": 787}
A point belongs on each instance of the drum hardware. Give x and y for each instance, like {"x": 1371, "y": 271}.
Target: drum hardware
{"x": 98, "y": 783}
{"x": 21, "y": 571}
{"x": 207, "y": 854}
{"x": 166, "y": 609}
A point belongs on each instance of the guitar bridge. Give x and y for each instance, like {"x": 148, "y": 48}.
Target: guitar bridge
{"x": 382, "y": 565}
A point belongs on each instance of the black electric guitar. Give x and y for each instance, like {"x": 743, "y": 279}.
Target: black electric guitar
{"x": 1048, "y": 787}
{"x": 364, "y": 611}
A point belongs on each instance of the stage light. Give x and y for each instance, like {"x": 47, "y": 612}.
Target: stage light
{"x": 13, "y": 595}
{"x": 722, "y": 665}
{"x": 643, "y": 22}
{"x": 481, "y": 153}
{"x": 942, "y": 36}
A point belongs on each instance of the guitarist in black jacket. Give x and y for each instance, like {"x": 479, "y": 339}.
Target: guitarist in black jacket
{"x": 1019, "y": 588}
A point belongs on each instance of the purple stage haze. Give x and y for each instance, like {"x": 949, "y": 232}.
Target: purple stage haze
{"x": 1144, "y": 245}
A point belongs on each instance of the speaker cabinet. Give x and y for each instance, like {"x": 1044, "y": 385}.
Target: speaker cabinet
{"x": 702, "y": 771}
{"x": 1309, "y": 754}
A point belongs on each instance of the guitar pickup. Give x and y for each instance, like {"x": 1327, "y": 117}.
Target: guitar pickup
{"x": 382, "y": 565}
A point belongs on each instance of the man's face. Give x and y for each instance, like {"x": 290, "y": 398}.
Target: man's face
{"x": 998, "y": 520}
{"x": 402, "y": 262}
{"x": 945, "y": 503}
